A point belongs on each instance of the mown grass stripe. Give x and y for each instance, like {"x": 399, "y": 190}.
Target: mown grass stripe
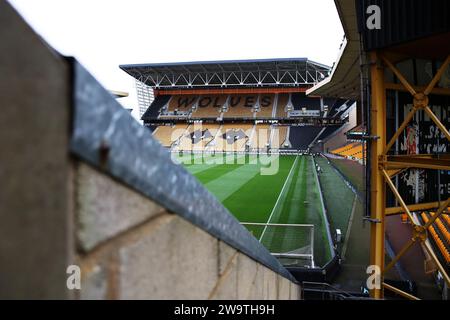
{"x": 231, "y": 181}
{"x": 254, "y": 201}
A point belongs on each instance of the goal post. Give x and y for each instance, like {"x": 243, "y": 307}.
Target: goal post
{"x": 291, "y": 244}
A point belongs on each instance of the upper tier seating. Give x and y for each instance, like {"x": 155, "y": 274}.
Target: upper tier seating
{"x": 266, "y": 102}
{"x": 278, "y": 137}
{"x": 182, "y": 102}
{"x": 153, "y": 110}
{"x": 209, "y": 106}
{"x": 283, "y": 100}
{"x": 240, "y": 106}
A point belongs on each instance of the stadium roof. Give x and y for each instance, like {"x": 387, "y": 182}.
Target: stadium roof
{"x": 229, "y": 73}
{"x": 344, "y": 80}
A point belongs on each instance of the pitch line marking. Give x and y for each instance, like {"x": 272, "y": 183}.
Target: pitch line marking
{"x": 278, "y": 199}
{"x": 349, "y": 227}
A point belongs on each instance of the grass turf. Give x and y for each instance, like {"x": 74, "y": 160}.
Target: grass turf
{"x": 251, "y": 197}
{"x": 338, "y": 197}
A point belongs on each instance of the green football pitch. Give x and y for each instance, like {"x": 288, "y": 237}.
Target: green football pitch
{"x": 288, "y": 195}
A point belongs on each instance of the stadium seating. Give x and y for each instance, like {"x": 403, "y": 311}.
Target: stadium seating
{"x": 240, "y": 106}
{"x": 278, "y": 137}
{"x": 181, "y": 103}
{"x": 153, "y": 111}
{"x": 281, "y": 105}
{"x": 260, "y": 137}
{"x": 352, "y": 150}
{"x": 209, "y": 133}
{"x": 232, "y": 137}
{"x": 196, "y": 137}
{"x": 266, "y": 102}
{"x": 169, "y": 134}
{"x": 209, "y": 106}
{"x": 439, "y": 237}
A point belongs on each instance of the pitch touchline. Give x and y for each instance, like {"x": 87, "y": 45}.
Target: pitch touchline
{"x": 278, "y": 199}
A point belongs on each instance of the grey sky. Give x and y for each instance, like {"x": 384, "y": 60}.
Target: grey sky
{"x": 102, "y": 34}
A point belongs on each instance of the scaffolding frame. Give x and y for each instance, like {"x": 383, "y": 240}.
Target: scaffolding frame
{"x": 383, "y": 167}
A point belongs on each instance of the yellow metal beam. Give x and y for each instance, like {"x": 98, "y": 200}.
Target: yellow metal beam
{"x": 394, "y": 172}
{"x": 437, "y": 76}
{"x": 400, "y": 87}
{"x": 437, "y": 122}
{"x": 377, "y": 187}
{"x": 437, "y": 214}
{"x": 438, "y": 263}
{"x": 400, "y": 292}
{"x": 400, "y": 129}
{"x": 405, "y": 249}
{"x": 384, "y": 166}
{"x": 399, "y": 76}
{"x": 397, "y": 195}
{"x": 412, "y": 207}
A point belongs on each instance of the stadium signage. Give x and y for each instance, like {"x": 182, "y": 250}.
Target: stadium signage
{"x": 207, "y": 101}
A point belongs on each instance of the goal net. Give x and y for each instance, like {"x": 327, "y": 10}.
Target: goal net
{"x": 291, "y": 244}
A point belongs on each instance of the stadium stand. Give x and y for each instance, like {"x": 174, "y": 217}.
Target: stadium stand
{"x": 232, "y": 137}
{"x": 209, "y": 106}
{"x": 169, "y": 134}
{"x": 260, "y": 137}
{"x": 266, "y": 103}
{"x": 440, "y": 236}
{"x": 281, "y": 105}
{"x": 278, "y": 137}
{"x": 302, "y": 136}
{"x": 181, "y": 103}
{"x": 351, "y": 150}
{"x": 154, "y": 109}
{"x": 184, "y": 142}
{"x": 241, "y": 106}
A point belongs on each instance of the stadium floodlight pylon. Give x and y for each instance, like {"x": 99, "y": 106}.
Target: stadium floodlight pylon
{"x": 385, "y": 166}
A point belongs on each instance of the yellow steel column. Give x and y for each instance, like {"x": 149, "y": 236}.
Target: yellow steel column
{"x": 377, "y": 186}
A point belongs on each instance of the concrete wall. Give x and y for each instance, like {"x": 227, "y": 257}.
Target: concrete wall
{"x": 56, "y": 210}
{"x": 131, "y": 248}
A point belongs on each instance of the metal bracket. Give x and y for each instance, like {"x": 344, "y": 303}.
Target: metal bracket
{"x": 370, "y": 137}
{"x": 371, "y": 220}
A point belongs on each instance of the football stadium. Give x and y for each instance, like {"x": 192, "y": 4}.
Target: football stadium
{"x": 280, "y": 178}
{"x": 250, "y": 139}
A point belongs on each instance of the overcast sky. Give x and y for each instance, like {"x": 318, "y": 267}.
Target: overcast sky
{"x": 102, "y": 34}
